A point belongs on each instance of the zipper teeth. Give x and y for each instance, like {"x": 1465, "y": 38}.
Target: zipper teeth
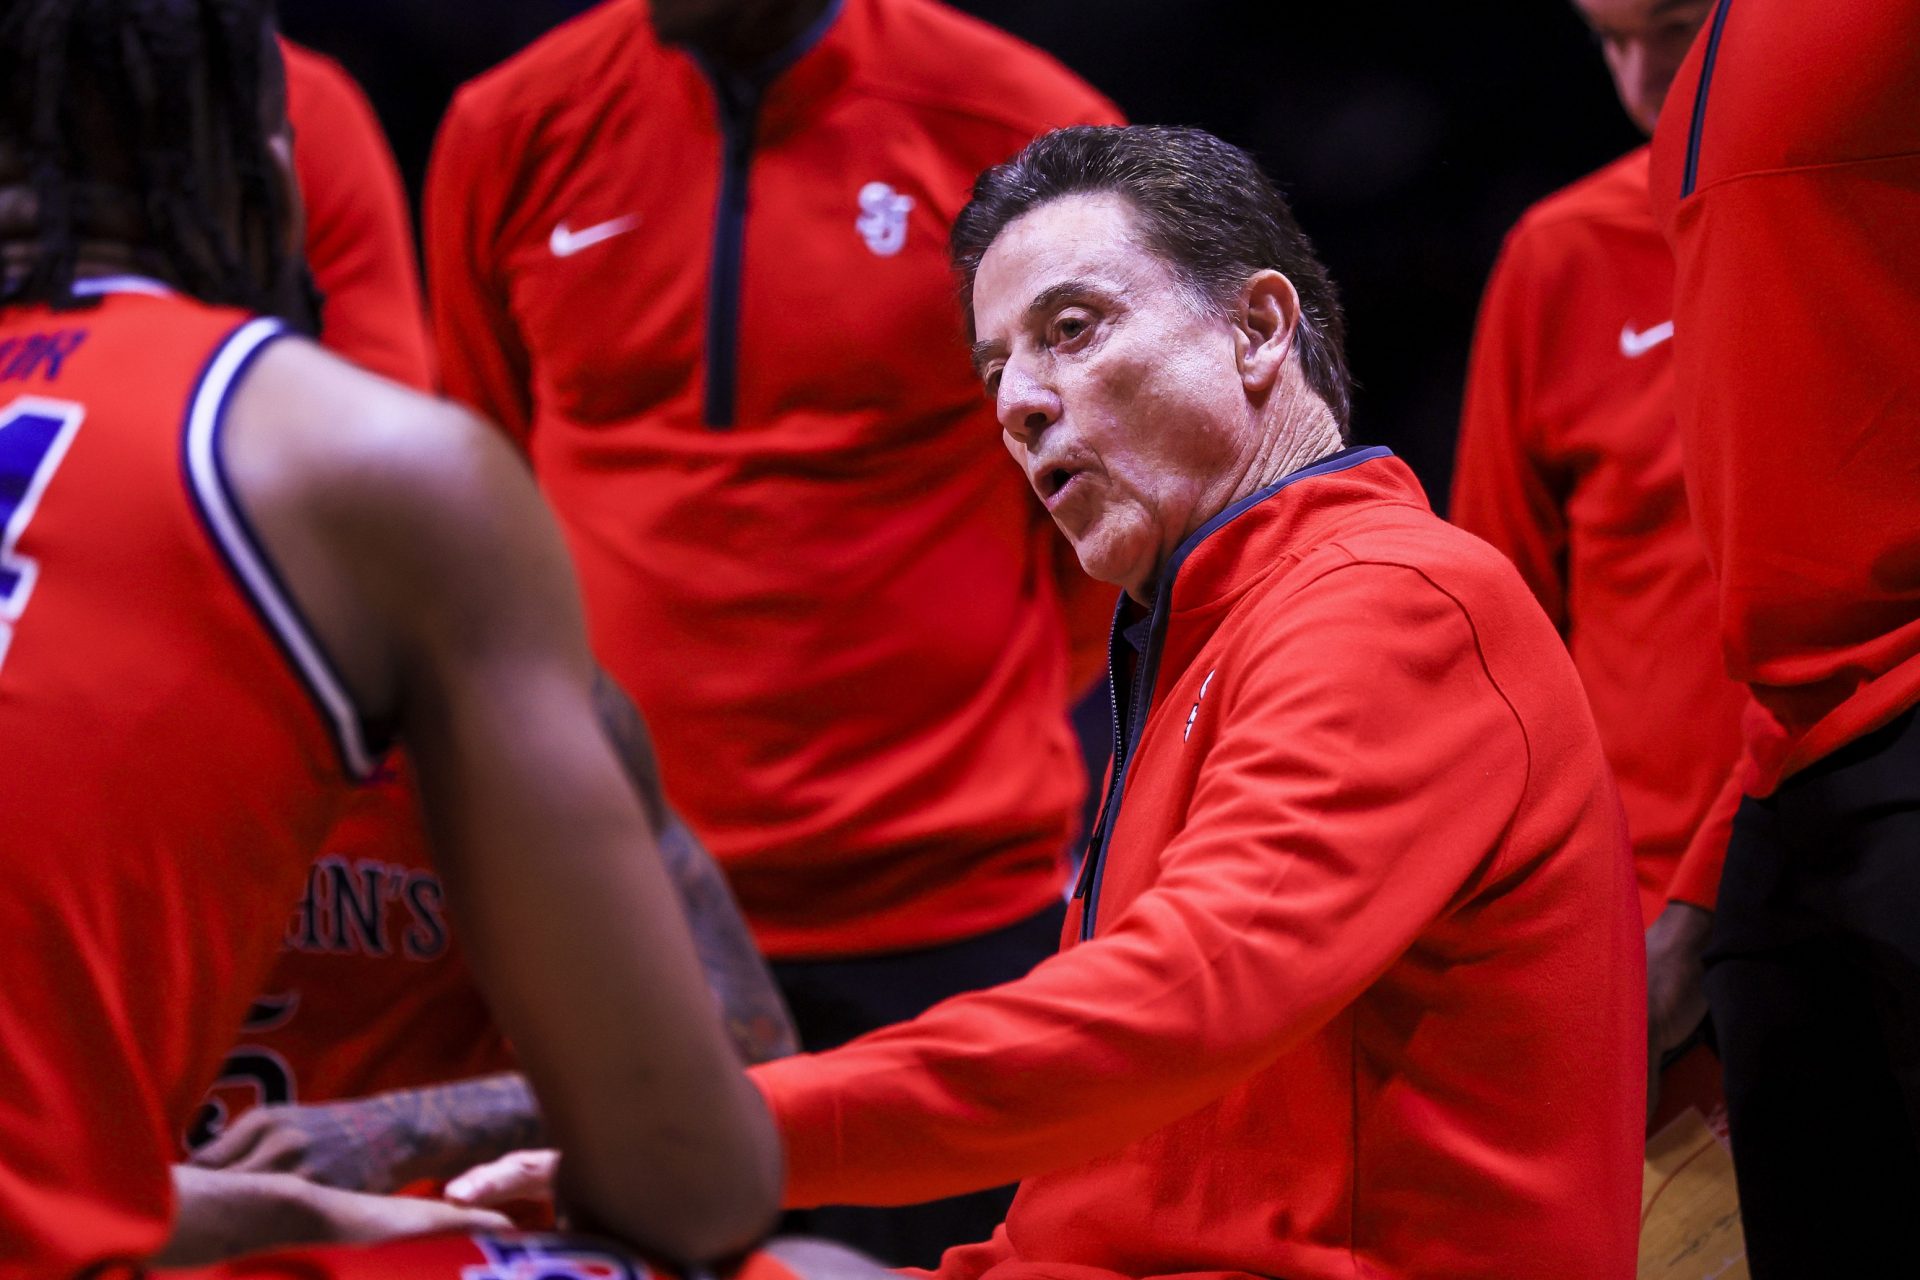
{"x": 723, "y": 290}
{"x": 1692, "y": 173}
{"x": 1146, "y": 670}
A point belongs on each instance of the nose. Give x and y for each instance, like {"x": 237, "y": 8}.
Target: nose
{"x": 1026, "y": 405}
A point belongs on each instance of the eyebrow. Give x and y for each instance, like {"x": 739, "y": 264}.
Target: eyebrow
{"x": 1044, "y": 301}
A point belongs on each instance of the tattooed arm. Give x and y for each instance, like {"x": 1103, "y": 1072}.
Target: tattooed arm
{"x": 755, "y": 1016}
{"x": 383, "y": 1142}
{"x": 389, "y": 1140}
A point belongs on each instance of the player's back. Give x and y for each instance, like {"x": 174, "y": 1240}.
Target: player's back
{"x": 172, "y": 747}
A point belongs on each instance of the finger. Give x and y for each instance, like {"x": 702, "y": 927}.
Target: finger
{"x": 522, "y": 1175}
{"x": 233, "y": 1143}
{"x": 476, "y": 1220}
{"x": 280, "y": 1151}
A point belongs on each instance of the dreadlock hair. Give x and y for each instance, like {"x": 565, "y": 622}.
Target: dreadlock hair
{"x": 143, "y": 120}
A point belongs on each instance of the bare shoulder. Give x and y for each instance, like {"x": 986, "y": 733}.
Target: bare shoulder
{"x": 405, "y": 528}
{"x": 311, "y": 431}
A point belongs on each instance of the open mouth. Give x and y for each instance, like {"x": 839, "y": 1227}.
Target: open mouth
{"x": 1054, "y": 481}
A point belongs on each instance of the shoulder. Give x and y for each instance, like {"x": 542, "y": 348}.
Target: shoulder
{"x": 603, "y": 47}
{"x": 310, "y": 429}
{"x": 925, "y": 54}
{"x": 1387, "y": 567}
{"x": 1612, "y": 198}
{"x": 317, "y": 83}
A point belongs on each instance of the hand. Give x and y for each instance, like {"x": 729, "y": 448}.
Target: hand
{"x": 521, "y": 1176}
{"x": 351, "y": 1217}
{"x": 1676, "y": 986}
{"x": 359, "y": 1146}
{"x": 221, "y": 1214}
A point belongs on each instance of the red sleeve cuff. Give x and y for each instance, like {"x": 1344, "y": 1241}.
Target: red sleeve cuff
{"x": 800, "y": 1093}
{"x": 1696, "y": 881}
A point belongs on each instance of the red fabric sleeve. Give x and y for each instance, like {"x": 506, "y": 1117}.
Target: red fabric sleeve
{"x": 483, "y": 362}
{"x": 1323, "y": 836}
{"x": 964, "y": 1262}
{"x": 1696, "y": 880}
{"x": 359, "y": 234}
{"x": 1503, "y": 491}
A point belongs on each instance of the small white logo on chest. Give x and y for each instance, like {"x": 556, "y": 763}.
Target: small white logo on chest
{"x": 564, "y": 243}
{"x": 883, "y": 218}
{"x": 1195, "y": 713}
{"x": 1634, "y": 344}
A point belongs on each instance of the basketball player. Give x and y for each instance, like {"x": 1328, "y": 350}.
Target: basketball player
{"x": 231, "y": 565}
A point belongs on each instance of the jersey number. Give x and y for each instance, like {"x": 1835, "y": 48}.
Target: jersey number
{"x": 34, "y": 435}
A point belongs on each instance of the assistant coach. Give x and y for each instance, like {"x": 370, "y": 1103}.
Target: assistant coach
{"x": 1354, "y": 983}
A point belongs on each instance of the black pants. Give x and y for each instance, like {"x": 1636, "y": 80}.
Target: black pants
{"x": 834, "y": 1001}
{"x": 1813, "y": 975}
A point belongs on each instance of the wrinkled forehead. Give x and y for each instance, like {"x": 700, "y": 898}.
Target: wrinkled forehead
{"x": 1088, "y": 238}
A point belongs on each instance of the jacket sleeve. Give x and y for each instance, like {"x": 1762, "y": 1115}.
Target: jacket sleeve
{"x": 483, "y": 362}
{"x": 1505, "y": 489}
{"x": 1696, "y": 881}
{"x": 1364, "y": 772}
{"x": 359, "y": 233}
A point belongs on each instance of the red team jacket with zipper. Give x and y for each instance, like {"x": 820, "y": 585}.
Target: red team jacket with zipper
{"x": 1786, "y": 172}
{"x": 730, "y": 344}
{"x": 1569, "y": 462}
{"x": 1356, "y": 986}
{"x": 175, "y": 749}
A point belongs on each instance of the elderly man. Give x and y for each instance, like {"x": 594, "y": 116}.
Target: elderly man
{"x": 1354, "y": 979}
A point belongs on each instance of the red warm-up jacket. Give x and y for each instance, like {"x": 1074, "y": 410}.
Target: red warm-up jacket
{"x": 1786, "y": 170}
{"x": 1358, "y": 987}
{"x": 1569, "y": 462}
{"x": 728, "y": 338}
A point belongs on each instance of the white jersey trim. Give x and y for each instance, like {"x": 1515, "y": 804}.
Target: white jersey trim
{"x": 97, "y": 286}
{"x": 236, "y": 540}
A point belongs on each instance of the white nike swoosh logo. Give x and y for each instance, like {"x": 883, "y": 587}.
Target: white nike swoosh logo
{"x": 1638, "y": 344}
{"x": 565, "y": 243}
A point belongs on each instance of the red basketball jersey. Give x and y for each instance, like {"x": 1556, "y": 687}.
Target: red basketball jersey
{"x": 172, "y": 744}
{"x": 371, "y": 992}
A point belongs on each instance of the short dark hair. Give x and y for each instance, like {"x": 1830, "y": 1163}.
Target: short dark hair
{"x": 144, "y": 119}
{"x": 1203, "y": 205}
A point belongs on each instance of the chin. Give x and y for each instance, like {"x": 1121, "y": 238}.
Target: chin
{"x": 1103, "y": 562}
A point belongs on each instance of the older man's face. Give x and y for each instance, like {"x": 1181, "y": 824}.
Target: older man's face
{"x": 1117, "y": 396}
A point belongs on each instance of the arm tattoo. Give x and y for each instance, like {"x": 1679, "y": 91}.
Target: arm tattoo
{"x": 442, "y": 1130}
{"x": 756, "y": 1018}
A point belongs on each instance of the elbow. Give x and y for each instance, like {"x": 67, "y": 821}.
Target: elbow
{"x": 686, "y": 1207}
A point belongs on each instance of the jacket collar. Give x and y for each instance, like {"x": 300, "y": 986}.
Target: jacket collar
{"x": 1241, "y": 545}
{"x": 792, "y": 87}
{"x": 1200, "y": 567}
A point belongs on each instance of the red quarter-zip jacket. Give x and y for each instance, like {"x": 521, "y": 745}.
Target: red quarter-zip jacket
{"x": 1569, "y": 461}
{"x": 730, "y": 342}
{"x": 1786, "y": 170}
{"x": 1363, "y": 992}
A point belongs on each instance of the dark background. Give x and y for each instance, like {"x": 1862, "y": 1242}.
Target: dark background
{"x": 1408, "y": 135}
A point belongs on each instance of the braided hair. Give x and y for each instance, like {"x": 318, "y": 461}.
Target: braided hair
{"x": 144, "y": 121}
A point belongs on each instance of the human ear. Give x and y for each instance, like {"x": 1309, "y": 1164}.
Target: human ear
{"x": 1266, "y": 318}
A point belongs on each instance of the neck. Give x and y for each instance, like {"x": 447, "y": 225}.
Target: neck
{"x": 1296, "y": 434}
{"x": 747, "y": 45}
{"x": 1300, "y": 431}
